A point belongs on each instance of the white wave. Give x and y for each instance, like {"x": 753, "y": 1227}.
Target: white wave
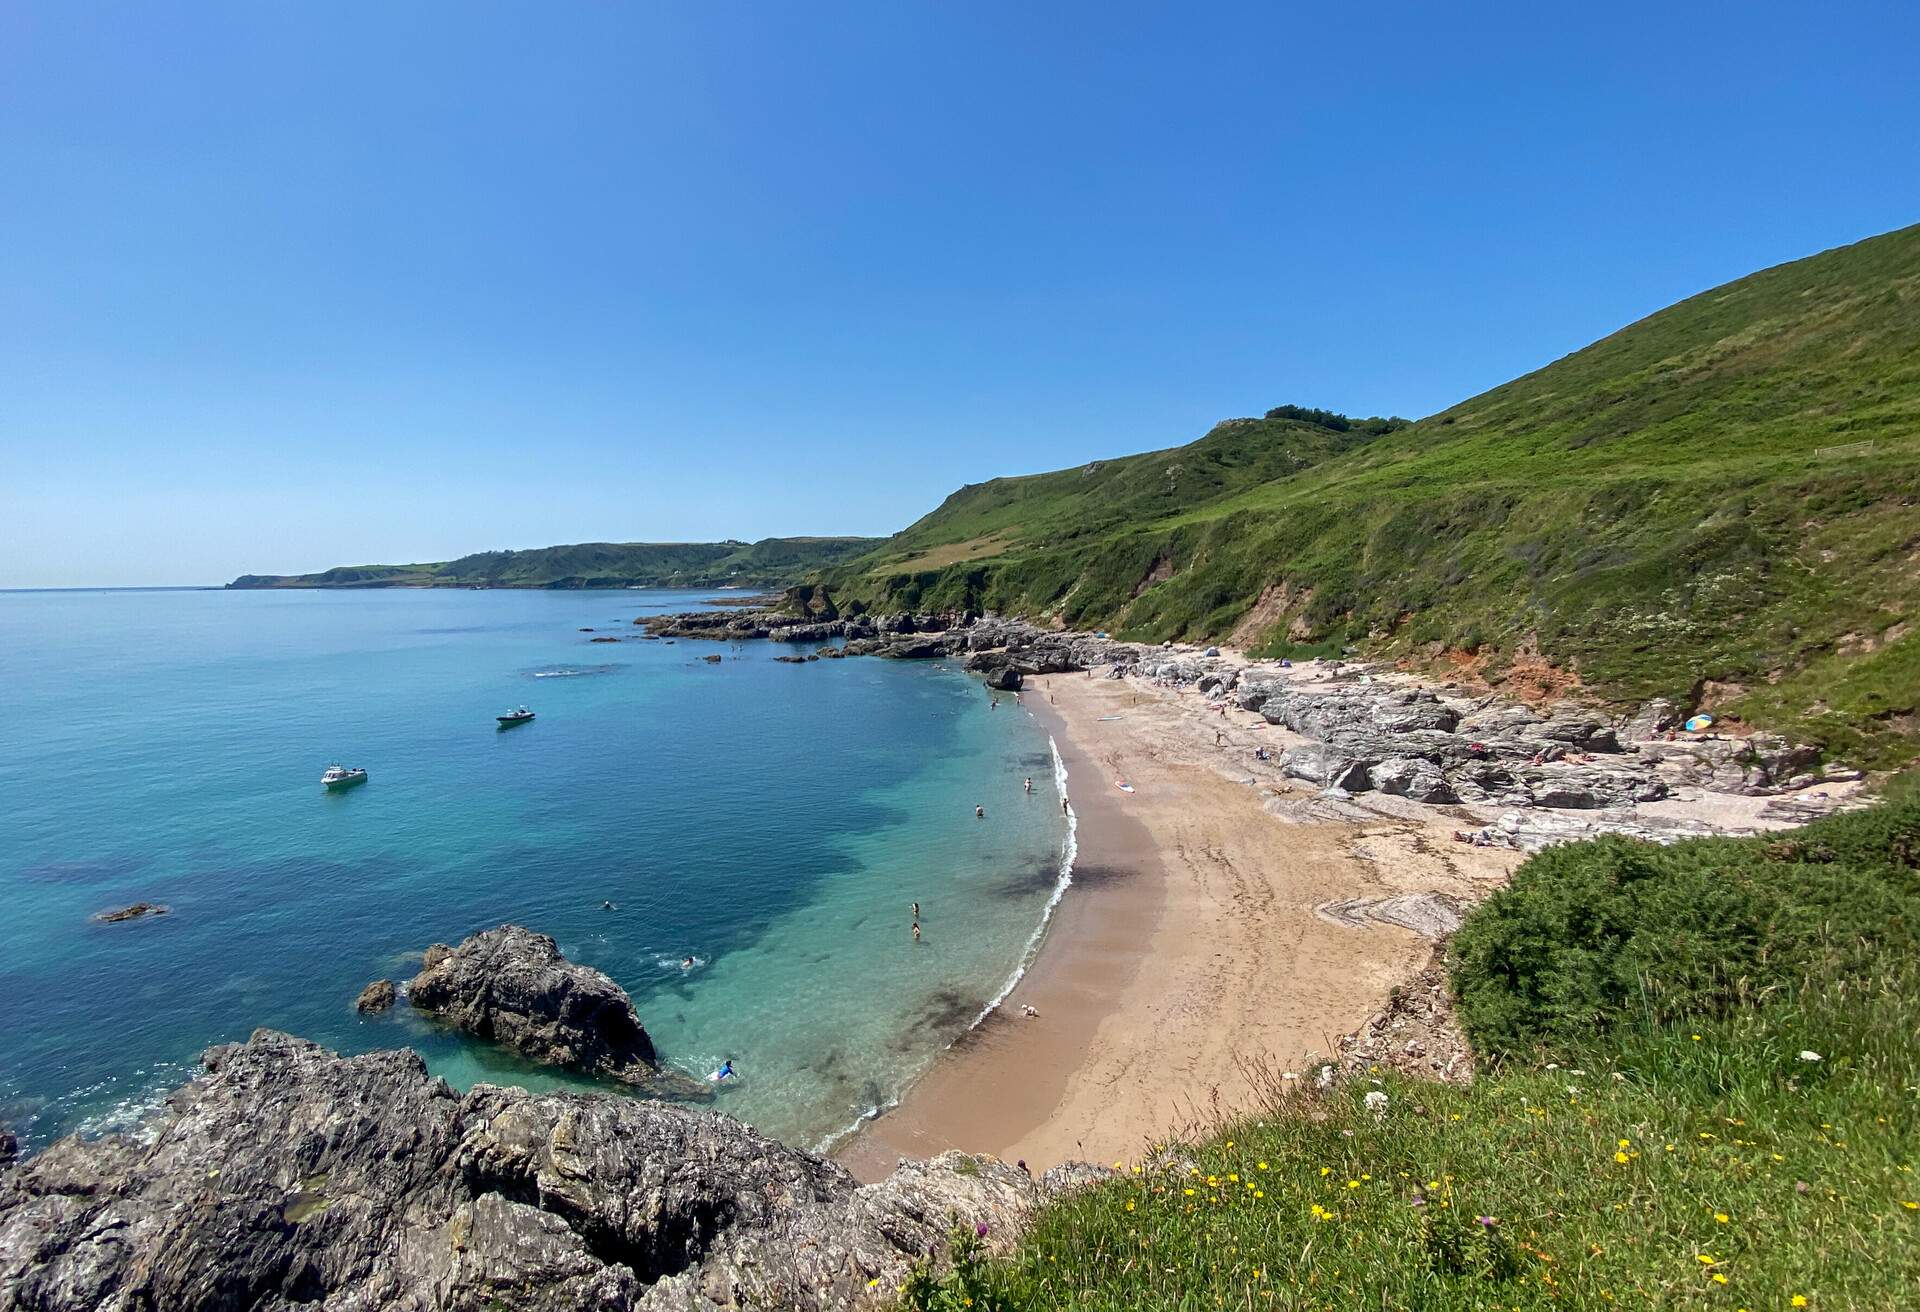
{"x": 851, "y": 1128}
{"x": 1069, "y": 849}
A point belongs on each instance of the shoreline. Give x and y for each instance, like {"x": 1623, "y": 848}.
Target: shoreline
{"x": 1187, "y": 955}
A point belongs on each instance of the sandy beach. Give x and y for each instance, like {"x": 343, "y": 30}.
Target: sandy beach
{"x": 1190, "y": 947}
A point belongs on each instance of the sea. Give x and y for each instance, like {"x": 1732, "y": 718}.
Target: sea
{"x": 772, "y": 822}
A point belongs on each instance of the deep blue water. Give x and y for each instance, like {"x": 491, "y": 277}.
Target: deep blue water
{"x": 773, "y": 821}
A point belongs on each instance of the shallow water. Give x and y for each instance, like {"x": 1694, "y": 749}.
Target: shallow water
{"x": 772, "y": 821}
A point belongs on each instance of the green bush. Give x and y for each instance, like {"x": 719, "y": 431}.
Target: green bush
{"x": 1589, "y": 936}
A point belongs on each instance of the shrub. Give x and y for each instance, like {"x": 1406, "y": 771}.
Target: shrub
{"x": 1591, "y": 935}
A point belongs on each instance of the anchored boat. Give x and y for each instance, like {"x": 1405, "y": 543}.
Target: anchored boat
{"x": 340, "y": 776}
{"x": 520, "y": 716}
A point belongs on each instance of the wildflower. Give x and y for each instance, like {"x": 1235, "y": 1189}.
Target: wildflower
{"x": 1187, "y": 1192}
{"x": 980, "y": 1230}
{"x": 1808, "y": 1054}
{"x": 1263, "y": 1166}
{"x": 1721, "y": 1217}
{"x": 1799, "y": 1300}
{"x": 1626, "y": 1143}
{"x": 1326, "y": 1170}
{"x": 1621, "y": 1158}
{"x": 1696, "y": 1038}
{"x": 1911, "y": 1207}
{"x": 1418, "y": 1201}
{"x": 1719, "y": 1279}
{"x": 1486, "y": 1222}
{"x": 874, "y": 1283}
{"x": 1129, "y": 1204}
{"x": 1703, "y": 1258}
{"x": 1353, "y": 1184}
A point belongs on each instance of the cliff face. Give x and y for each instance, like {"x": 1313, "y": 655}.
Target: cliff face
{"x": 289, "y": 1176}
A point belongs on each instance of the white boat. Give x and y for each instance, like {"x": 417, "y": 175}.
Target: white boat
{"x": 520, "y": 716}
{"x": 340, "y": 776}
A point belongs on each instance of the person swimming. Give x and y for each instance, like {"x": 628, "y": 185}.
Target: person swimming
{"x": 979, "y": 813}
{"x": 606, "y": 906}
{"x": 1029, "y": 783}
{"x": 688, "y": 964}
{"x": 916, "y": 913}
{"x": 725, "y": 1072}
{"x": 916, "y": 931}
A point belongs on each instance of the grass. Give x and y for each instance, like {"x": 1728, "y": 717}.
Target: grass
{"x": 1746, "y": 1157}
{"x": 1653, "y": 513}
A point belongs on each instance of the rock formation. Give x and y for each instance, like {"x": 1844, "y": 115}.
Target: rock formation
{"x": 375, "y": 997}
{"x": 289, "y": 1177}
{"x": 512, "y": 985}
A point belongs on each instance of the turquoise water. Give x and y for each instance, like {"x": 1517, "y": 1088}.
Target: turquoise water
{"x": 772, "y": 821}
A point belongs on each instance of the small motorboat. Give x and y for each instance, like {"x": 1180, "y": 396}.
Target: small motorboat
{"x": 340, "y": 776}
{"x": 520, "y": 716}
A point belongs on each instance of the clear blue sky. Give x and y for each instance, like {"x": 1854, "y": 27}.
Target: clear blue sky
{"x": 284, "y": 286}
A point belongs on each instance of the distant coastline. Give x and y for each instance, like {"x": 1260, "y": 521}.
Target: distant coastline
{"x": 768, "y": 563}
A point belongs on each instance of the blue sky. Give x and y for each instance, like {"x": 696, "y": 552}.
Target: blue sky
{"x": 285, "y": 286}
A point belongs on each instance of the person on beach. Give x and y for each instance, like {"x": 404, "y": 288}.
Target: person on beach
{"x": 1063, "y": 806}
{"x": 979, "y": 813}
{"x": 1030, "y": 1011}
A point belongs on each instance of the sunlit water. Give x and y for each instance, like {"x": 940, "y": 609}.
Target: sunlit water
{"x": 772, "y": 821}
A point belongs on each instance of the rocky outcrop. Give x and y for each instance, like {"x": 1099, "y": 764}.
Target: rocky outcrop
{"x": 9, "y": 1148}
{"x": 375, "y": 997}
{"x": 512, "y": 986}
{"x": 288, "y": 1177}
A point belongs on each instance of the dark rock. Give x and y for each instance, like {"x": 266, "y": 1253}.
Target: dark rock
{"x": 375, "y": 997}
{"x": 914, "y": 649}
{"x": 134, "y": 912}
{"x": 1006, "y": 679}
{"x": 713, "y": 659}
{"x": 289, "y": 1177}
{"x": 603, "y": 638}
{"x": 512, "y": 985}
{"x": 9, "y": 1148}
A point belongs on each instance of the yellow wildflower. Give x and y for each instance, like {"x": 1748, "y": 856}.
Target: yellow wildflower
{"x": 1719, "y": 1279}
{"x": 1721, "y": 1217}
{"x": 1799, "y": 1300}
{"x": 1620, "y": 1157}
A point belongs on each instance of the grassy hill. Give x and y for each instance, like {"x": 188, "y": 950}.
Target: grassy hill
{"x": 1661, "y": 513}
{"x": 771, "y": 562}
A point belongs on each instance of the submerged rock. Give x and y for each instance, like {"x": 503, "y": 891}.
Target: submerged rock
{"x": 512, "y": 985}
{"x": 288, "y": 1176}
{"x": 375, "y": 997}
{"x": 134, "y": 912}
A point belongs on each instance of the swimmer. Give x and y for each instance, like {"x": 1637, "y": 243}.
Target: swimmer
{"x": 1029, "y": 783}
{"x": 724, "y": 1073}
{"x": 916, "y": 931}
{"x": 606, "y": 906}
{"x": 916, "y": 913}
{"x": 687, "y": 964}
{"x": 979, "y": 813}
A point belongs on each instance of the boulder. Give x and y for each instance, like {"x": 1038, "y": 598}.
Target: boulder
{"x": 1414, "y": 778}
{"x": 914, "y": 649}
{"x": 9, "y": 1148}
{"x": 512, "y": 986}
{"x": 1006, "y": 679}
{"x": 375, "y": 997}
{"x": 290, "y": 1177}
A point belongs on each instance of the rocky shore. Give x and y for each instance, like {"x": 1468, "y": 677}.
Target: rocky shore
{"x": 287, "y": 1176}
{"x": 1522, "y": 775}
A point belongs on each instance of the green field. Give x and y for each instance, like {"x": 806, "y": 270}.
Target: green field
{"x": 769, "y": 563}
{"x": 1719, "y": 504}
{"x": 1699, "y": 1073}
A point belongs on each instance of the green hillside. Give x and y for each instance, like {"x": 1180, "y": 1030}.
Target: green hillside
{"x": 1659, "y": 513}
{"x": 771, "y": 562}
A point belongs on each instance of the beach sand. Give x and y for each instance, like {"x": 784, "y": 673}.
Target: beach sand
{"x": 1188, "y": 949}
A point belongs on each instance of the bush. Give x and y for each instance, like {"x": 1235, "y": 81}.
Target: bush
{"x": 1591, "y": 935}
